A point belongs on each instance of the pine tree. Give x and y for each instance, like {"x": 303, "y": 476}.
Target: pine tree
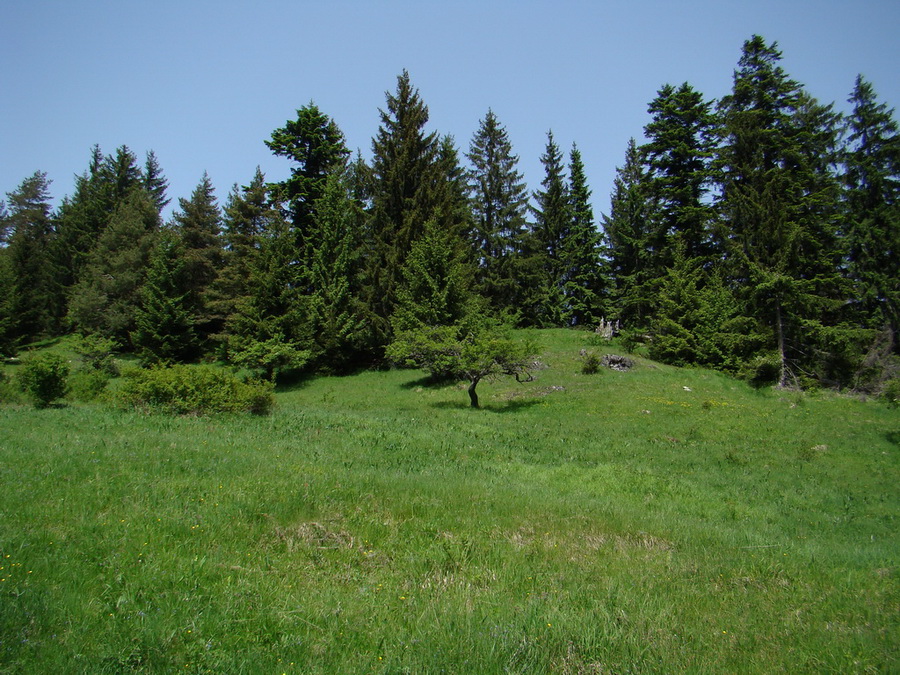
{"x": 316, "y": 144}
{"x": 405, "y": 170}
{"x": 198, "y": 223}
{"x": 627, "y": 229}
{"x": 499, "y": 201}
{"x": 164, "y": 328}
{"x": 778, "y": 202}
{"x": 582, "y": 250}
{"x": 677, "y": 154}
{"x": 551, "y": 228}
{"x": 335, "y": 325}
{"x": 266, "y": 332}
{"x": 872, "y": 193}
{"x": 83, "y": 218}
{"x": 154, "y": 182}
{"x": 28, "y": 311}
{"x": 105, "y": 300}
{"x": 5, "y": 225}
{"x": 247, "y": 217}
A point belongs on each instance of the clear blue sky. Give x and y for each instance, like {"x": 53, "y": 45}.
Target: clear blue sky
{"x": 204, "y": 83}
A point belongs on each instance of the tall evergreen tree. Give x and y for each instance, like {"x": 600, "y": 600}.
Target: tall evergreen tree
{"x": 164, "y": 328}
{"x": 105, "y": 300}
{"x": 154, "y": 182}
{"x": 778, "y": 202}
{"x": 551, "y": 228}
{"x": 198, "y": 223}
{"x": 83, "y": 218}
{"x": 628, "y": 228}
{"x": 247, "y": 217}
{"x": 677, "y": 154}
{"x": 499, "y": 203}
{"x": 335, "y": 325}
{"x": 582, "y": 251}
{"x": 29, "y": 311}
{"x": 872, "y": 192}
{"x": 316, "y": 144}
{"x": 405, "y": 170}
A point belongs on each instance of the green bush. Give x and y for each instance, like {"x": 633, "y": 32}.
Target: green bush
{"x": 590, "y": 363}
{"x": 43, "y": 378}
{"x": 87, "y": 385}
{"x": 9, "y": 392}
{"x": 195, "y": 390}
{"x": 891, "y": 392}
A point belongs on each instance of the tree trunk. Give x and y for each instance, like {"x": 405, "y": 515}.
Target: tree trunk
{"x": 473, "y": 397}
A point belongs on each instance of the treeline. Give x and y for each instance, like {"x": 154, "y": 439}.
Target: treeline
{"x": 756, "y": 234}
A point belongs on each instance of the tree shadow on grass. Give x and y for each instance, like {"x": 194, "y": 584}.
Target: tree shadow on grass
{"x": 429, "y": 382}
{"x": 893, "y": 437}
{"x": 507, "y": 407}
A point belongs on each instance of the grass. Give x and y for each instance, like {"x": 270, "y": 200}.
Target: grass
{"x": 659, "y": 520}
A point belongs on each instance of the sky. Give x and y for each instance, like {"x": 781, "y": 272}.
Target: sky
{"x": 204, "y": 83}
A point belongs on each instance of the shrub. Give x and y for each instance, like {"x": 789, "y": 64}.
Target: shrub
{"x": 9, "y": 392}
{"x": 195, "y": 390}
{"x": 87, "y": 385}
{"x": 43, "y": 378}
{"x": 590, "y": 362}
{"x": 891, "y": 392}
{"x": 97, "y": 353}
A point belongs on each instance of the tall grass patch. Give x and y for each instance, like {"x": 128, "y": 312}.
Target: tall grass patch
{"x": 656, "y": 520}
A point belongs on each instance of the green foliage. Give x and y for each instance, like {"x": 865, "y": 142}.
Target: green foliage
{"x": 408, "y": 182}
{"x": 105, "y": 300}
{"x": 197, "y": 223}
{"x": 591, "y": 362}
{"x": 499, "y": 199}
{"x": 87, "y": 384}
{"x": 315, "y": 143}
{"x": 435, "y": 286}
{"x": 477, "y": 348}
{"x": 43, "y": 378}
{"x": 268, "y": 358}
{"x": 164, "y": 324}
{"x": 628, "y": 228}
{"x": 194, "y": 390}
{"x": 28, "y": 309}
{"x": 96, "y": 353}
{"x": 891, "y": 392}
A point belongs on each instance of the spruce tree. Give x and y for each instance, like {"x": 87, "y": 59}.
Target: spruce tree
{"x": 777, "y": 199}
{"x": 315, "y": 143}
{"x": 582, "y": 251}
{"x": 499, "y": 201}
{"x": 198, "y": 223}
{"x": 405, "y": 170}
{"x": 29, "y": 310}
{"x": 164, "y": 328}
{"x": 872, "y": 193}
{"x": 335, "y": 327}
{"x": 83, "y": 218}
{"x": 551, "y": 228}
{"x": 627, "y": 229}
{"x": 154, "y": 182}
{"x": 104, "y": 301}
{"x": 677, "y": 154}
{"x": 247, "y": 217}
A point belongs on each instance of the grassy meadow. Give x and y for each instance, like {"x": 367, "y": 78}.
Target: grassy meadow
{"x": 660, "y": 520}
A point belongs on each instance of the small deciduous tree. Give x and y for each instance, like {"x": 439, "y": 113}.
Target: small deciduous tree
{"x": 475, "y": 349}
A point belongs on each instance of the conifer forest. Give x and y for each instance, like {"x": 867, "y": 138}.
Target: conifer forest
{"x": 758, "y": 234}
